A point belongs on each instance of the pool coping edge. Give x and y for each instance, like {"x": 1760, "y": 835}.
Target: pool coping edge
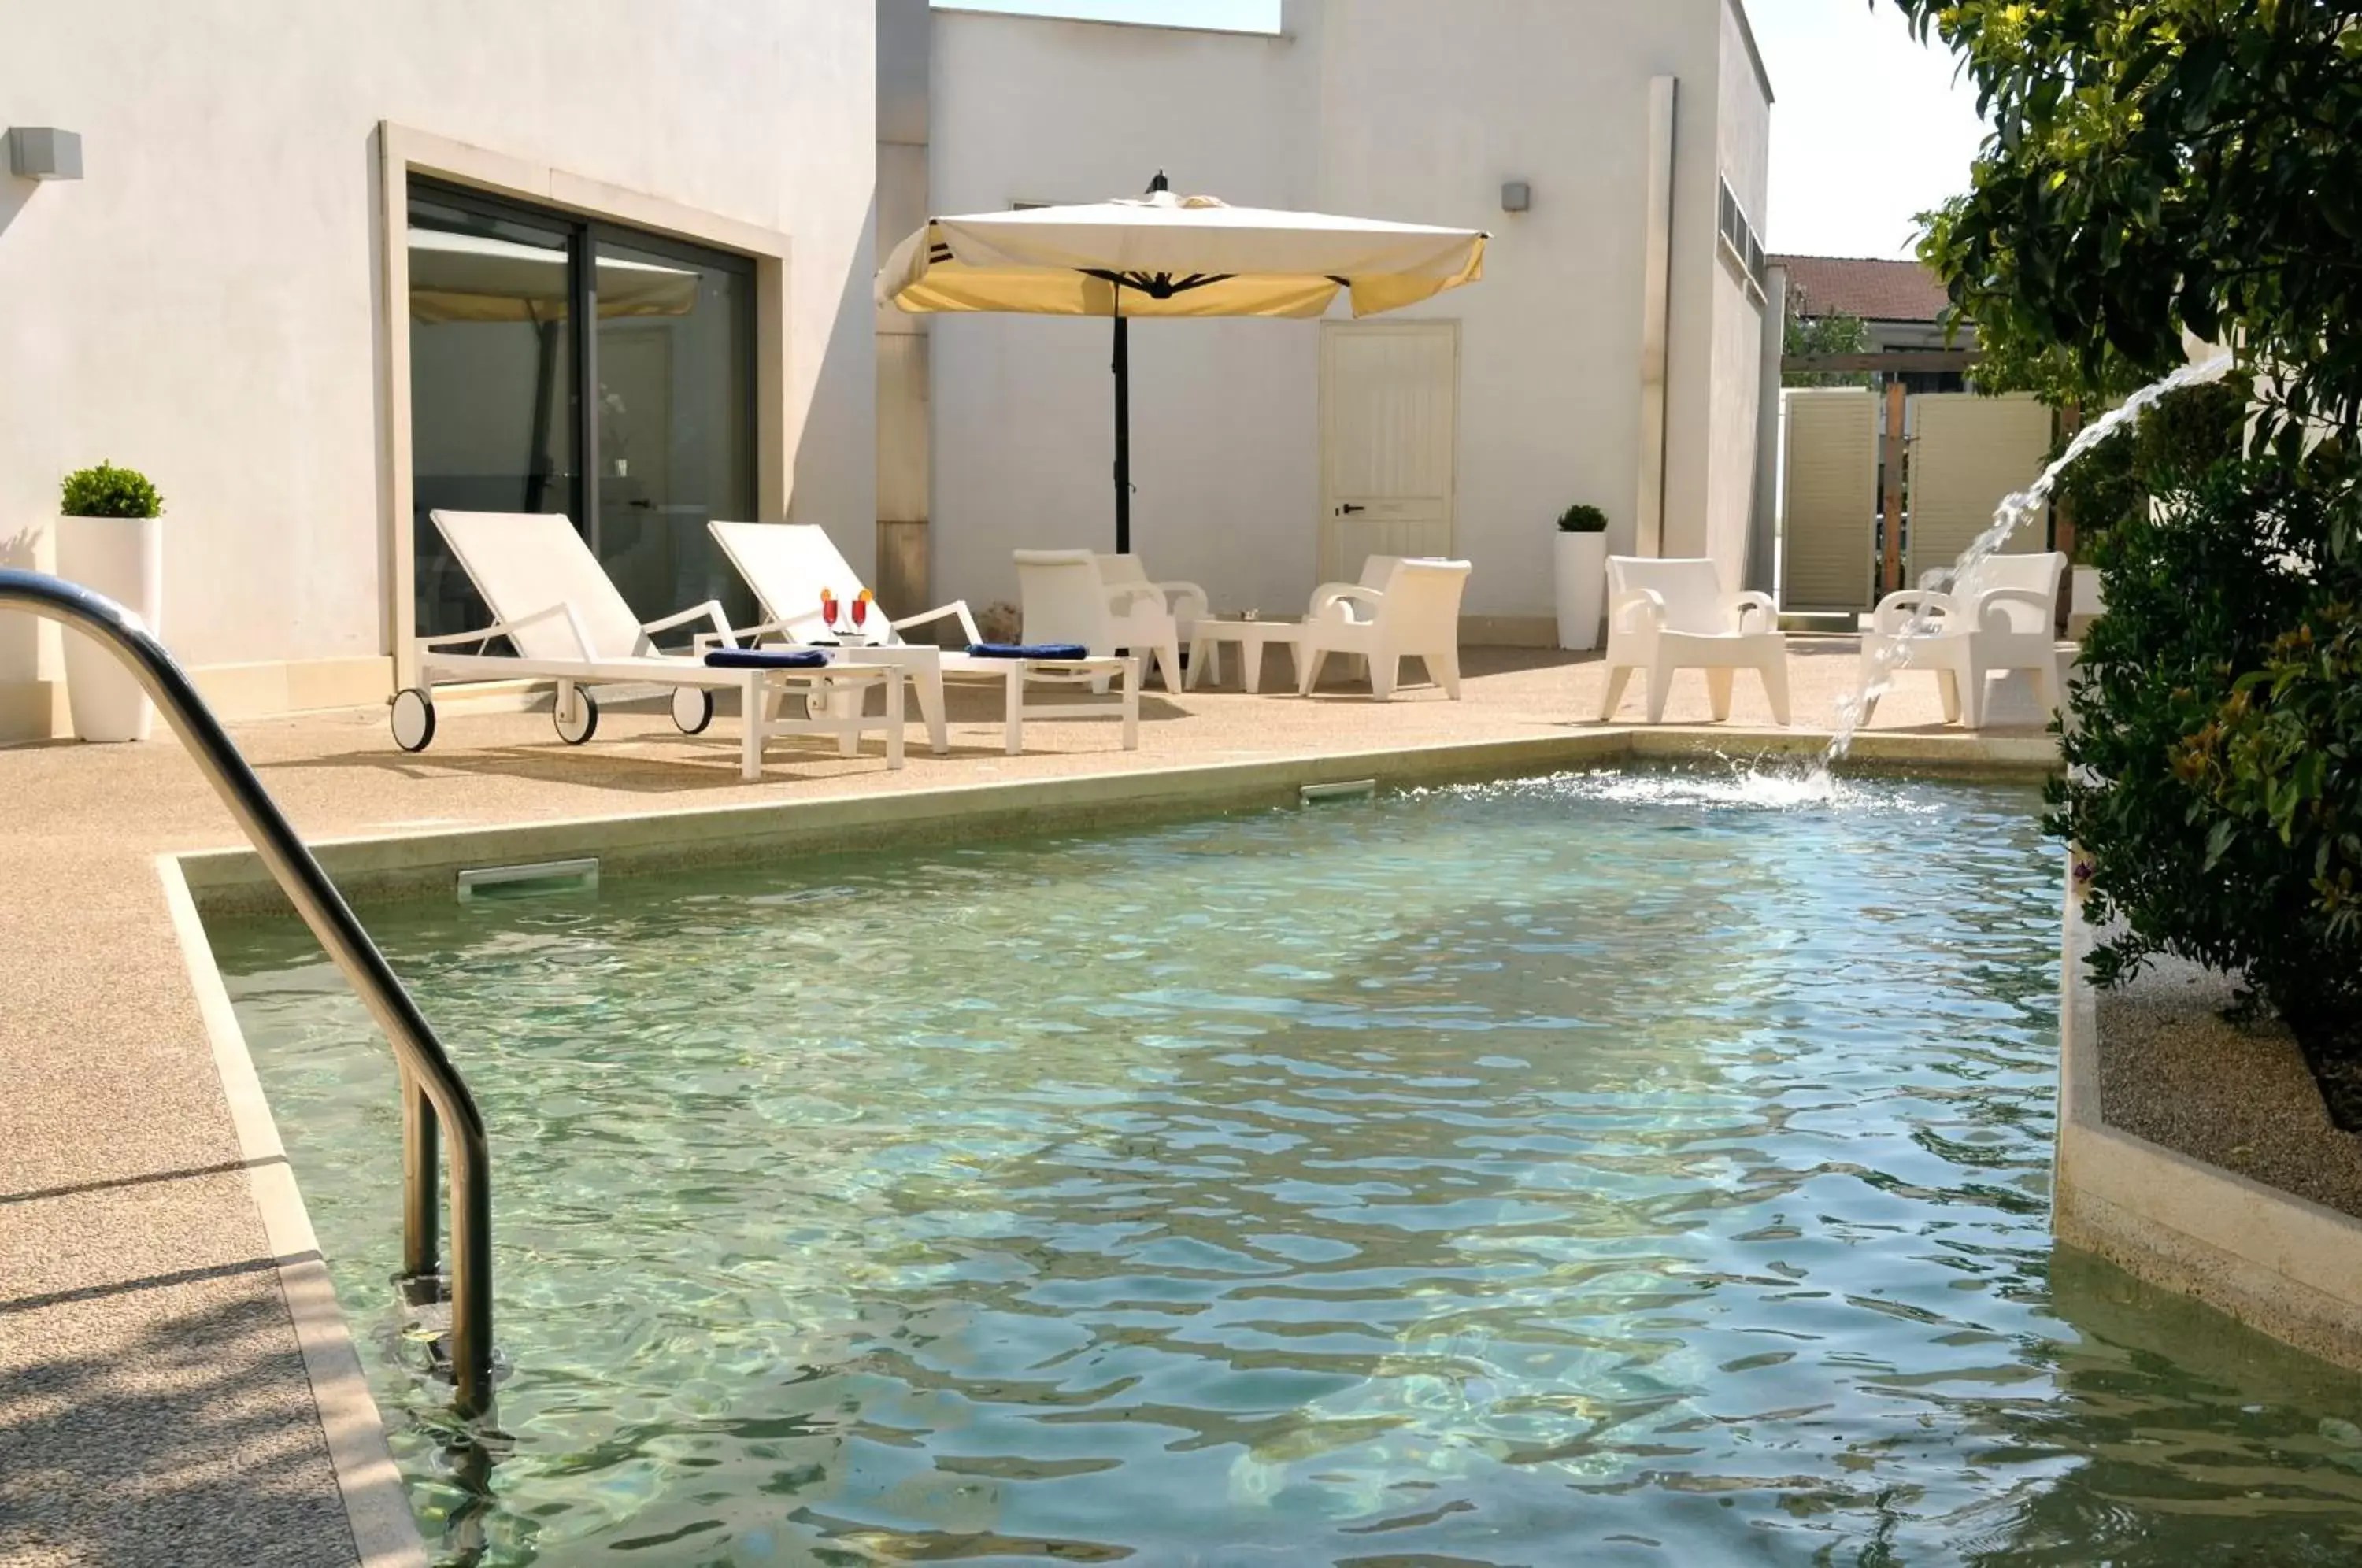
{"x": 376, "y": 1503}
{"x": 2283, "y": 1266}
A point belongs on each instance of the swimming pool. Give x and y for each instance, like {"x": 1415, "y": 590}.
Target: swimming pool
{"x": 1599, "y": 1169}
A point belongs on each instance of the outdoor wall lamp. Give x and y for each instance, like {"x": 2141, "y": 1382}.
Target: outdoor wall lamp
{"x": 1517, "y": 196}
{"x": 44, "y": 152}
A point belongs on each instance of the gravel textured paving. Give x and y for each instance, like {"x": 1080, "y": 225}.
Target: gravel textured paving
{"x": 2173, "y": 1071}
{"x": 153, "y": 1405}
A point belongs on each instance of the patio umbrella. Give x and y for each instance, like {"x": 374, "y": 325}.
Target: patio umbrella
{"x": 1166, "y": 255}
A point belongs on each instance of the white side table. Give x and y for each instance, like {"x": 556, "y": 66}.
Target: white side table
{"x": 1252, "y": 637}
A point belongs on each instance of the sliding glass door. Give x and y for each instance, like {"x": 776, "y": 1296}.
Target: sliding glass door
{"x": 512, "y": 311}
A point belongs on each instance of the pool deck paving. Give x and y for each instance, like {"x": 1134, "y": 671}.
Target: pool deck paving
{"x": 157, "y": 1402}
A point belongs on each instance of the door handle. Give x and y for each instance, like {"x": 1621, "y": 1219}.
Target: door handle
{"x": 1349, "y": 509}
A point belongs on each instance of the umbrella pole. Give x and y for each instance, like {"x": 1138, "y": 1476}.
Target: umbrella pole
{"x": 1122, "y": 368}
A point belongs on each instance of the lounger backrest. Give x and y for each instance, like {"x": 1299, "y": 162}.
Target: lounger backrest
{"x": 1064, "y": 599}
{"x": 1691, "y": 587}
{"x": 1422, "y": 602}
{"x": 786, "y": 565}
{"x": 524, "y": 562}
{"x": 2037, "y": 573}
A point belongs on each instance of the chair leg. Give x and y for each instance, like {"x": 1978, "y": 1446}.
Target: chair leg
{"x": 1718, "y": 683}
{"x": 1661, "y": 677}
{"x": 1308, "y": 676}
{"x": 1131, "y": 708}
{"x": 1012, "y": 724}
{"x": 1445, "y": 665}
{"x": 1619, "y": 677}
{"x": 1948, "y": 692}
{"x": 1168, "y": 658}
{"x": 1775, "y": 687}
{"x": 893, "y": 718}
{"x": 754, "y": 723}
{"x": 1973, "y": 695}
{"x": 1385, "y": 669}
{"x": 930, "y": 683}
{"x": 2050, "y": 689}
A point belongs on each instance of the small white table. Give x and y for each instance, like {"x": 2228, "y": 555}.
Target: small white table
{"x": 1208, "y": 636}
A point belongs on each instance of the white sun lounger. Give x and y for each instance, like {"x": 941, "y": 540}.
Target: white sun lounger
{"x": 789, "y": 564}
{"x": 558, "y": 609}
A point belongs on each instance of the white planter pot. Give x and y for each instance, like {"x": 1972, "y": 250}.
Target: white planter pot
{"x": 1582, "y": 589}
{"x": 122, "y": 557}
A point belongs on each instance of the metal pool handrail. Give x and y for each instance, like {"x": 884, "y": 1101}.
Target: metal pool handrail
{"x": 432, "y": 1088}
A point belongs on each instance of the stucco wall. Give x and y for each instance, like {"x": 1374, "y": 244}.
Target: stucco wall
{"x": 203, "y": 305}
{"x": 1384, "y": 108}
{"x": 1742, "y": 130}
{"x": 1222, "y": 412}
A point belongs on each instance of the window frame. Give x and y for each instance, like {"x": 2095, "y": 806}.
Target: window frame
{"x": 583, "y": 235}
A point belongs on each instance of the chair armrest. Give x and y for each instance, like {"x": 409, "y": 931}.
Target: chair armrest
{"x": 1899, "y": 609}
{"x": 1637, "y": 609}
{"x": 1186, "y": 599}
{"x": 708, "y": 611}
{"x": 1342, "y": 596}
{"x": 2043, "y": 604}
{"x": 956, "y": 607}
{"x": 1123, "y": 596}
{"x": 503, "y": 628}
{"x": 1738, "y": 605}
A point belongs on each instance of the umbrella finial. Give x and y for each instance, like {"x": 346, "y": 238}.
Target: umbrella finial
{"x": 1159, "y": 183}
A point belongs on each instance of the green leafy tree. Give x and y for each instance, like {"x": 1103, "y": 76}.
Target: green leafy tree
{"x": 1833, "y": 333}
{"x": 2158, "y": 166}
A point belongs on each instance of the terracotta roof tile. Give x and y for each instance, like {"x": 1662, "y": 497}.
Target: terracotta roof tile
{"x": 1875, "y": 290}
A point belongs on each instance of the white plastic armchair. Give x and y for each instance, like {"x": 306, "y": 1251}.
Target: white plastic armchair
{"x": 1664, "y": 615}
{"x": 1185, "y": 601}
{"x": 2000, "y": 614}
{"x": 1403, "y": 607}
{"x": 1064, "y": 597}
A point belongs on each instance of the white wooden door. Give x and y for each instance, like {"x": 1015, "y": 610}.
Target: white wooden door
{"x": 1389, "y": 426}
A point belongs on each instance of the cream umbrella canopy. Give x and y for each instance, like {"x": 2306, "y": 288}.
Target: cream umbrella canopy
{"x": 1166, "y": 255}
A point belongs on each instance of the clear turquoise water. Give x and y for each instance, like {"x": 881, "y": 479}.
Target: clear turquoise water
{"x": 1594, "y": 1170}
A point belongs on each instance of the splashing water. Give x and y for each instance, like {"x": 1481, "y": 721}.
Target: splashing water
{"x": 2015, "y": 511}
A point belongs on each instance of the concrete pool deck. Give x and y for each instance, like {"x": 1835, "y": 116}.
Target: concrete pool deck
{"x": 157, "y": 1402}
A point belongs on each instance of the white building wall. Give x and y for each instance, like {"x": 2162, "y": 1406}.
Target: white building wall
{"x": 1222, "y": 412}
{"x": 1742, "y": 131}
{"x": 1384, "y": 108}
{"x": 203, "y": 305}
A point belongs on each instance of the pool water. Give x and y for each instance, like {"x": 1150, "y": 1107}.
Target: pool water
{"x": 1599, "y": 1169}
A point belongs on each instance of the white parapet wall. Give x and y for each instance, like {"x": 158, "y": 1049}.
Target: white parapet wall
{"x": 2280, "y": 1265}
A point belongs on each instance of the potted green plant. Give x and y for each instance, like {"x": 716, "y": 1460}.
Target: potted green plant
{"x": 1582, "y": 570}
{"x": 111, "y": 541}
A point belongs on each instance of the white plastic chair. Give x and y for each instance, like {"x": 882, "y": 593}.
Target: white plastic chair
{"x": 1065, "y": 596}
{"x": 1403, "y": 607}
{"x": 2000, "y": 614}
{"x": 556, "y": 606}
{"x": 1186, "y": 601}
{"x": 1664, "y": 615}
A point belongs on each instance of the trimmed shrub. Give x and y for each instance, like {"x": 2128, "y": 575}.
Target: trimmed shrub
{"x": 1581, "y": 518}
{"x": 109, "y": 492}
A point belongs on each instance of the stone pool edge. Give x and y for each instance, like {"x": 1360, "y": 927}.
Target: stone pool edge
{"x": 376, "y": 867}
{"x": 2282, "y": 1265}
{"x": 424, "y": 863}
{"x": 368, "y": 1484}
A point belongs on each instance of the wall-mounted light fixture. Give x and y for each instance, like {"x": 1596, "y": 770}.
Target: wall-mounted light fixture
{"x": 44, "y": 152}
{"x": 1517, "y": 196}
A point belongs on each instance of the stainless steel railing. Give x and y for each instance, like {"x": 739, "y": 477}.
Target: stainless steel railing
{"x": 433, "y": 1094}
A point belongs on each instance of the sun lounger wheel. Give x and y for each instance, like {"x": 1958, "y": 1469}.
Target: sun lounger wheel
{"x": 585, "y": 719}
{"x": 413, "y": 718}
{"x": 692, "y": 709}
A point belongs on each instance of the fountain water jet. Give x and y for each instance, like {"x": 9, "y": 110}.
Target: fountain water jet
{"x": 2015, "y": 511}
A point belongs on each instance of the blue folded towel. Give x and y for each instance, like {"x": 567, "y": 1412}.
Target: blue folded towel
{"x": 1029, "y": 650}
{"x": 766, "y": 658}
